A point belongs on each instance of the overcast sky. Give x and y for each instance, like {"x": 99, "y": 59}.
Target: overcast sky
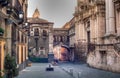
{"x": 57, "y": 11}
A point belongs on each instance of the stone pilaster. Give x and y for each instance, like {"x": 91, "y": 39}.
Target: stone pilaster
{"x": 50, "y": 42}
{"x": 111, "y": 18}
{"x": 110, "y": 22}
{"x": 107, "y": 16}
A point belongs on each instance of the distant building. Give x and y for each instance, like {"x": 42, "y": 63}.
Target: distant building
{"x": 60, "y": 37}
{"x": 40, "y": 36}
{"x": 64, "y": 41}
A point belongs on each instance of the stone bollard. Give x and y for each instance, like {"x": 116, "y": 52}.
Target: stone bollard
{"x": 71, "y": 71}
{"x": 79, "y": 74}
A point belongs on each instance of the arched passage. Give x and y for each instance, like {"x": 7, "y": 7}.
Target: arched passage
{"x": 62, "y": 52}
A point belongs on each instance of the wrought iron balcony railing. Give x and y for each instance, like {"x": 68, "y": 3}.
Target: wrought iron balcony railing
{"x": 4, "y": 2}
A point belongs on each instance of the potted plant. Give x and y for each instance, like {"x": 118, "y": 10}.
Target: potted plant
{"x": 1, "y": 31}
{"x": 10, "y": 66}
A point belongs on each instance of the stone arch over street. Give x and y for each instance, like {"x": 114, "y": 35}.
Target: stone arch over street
{"x": 63, "y": 53}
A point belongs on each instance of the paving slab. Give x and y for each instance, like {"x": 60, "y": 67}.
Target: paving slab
{"x": 81, "y": 70}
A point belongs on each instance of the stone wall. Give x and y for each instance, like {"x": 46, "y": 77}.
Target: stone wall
{"x": 100, "y": 19}
{"x": 104, "y": 59}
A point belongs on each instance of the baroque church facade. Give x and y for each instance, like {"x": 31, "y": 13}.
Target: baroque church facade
{"x": 97, "y": 24}
{"x": 40, "y": 36}
{"x": 45, "y": 40}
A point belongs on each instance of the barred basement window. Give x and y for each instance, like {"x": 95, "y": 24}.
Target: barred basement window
{"x": 103, "y": 56}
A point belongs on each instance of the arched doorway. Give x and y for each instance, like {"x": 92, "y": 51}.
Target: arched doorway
{"x": 62, "y": 53}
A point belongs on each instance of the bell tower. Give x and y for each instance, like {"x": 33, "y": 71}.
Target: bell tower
{"x": 36, "y": 13}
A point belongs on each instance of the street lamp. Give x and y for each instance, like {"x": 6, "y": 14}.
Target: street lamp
{"x": 26, "y": 24}
{"x": 21, "y": 14}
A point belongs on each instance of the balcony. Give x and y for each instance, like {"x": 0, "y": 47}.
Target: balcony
{"x": 4, "y": 2}
{"x": 104, "y": 47}
{"x": 15, "y": 10}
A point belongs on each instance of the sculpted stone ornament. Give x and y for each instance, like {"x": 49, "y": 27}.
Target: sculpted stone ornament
{"x": 117, "y": 47}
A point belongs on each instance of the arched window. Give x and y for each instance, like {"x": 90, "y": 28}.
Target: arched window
{"x": 61, "y": 39}
{"x": 44, "y": 33}
{"x": 36, "y": 32}
{"x": 54, "y": 38}
{"x": 18, "y": 36}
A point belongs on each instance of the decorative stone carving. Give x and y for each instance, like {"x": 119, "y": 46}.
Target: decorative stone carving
{"x": 117, "y": 47}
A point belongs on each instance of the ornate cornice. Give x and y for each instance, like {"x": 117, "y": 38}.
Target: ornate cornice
{"x": 116, "y": 1}
{"x": 99, "y": 2}
{"x": 85, "y": 9}
{"x": 117, "y": 4}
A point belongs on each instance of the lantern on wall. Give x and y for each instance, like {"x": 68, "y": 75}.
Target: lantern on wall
{"x": 21, "y": 17}
{"x": 21, "y": 14}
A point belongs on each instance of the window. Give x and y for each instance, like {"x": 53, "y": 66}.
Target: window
{"x": 36, "y": 32}
{"x": 55, "y": 39}
{"x": 31, "y": 29}
{"x": 61, "y": 39}
{"x": 88, "y": 26}
{"x": 103, "y": 55}
{"x": 18, "y": 55}
{"x": 21, "y": 54}
{"x": 44, "y": 33}
{"x": 22, "y": 37}
{"x": 18, "y": 36}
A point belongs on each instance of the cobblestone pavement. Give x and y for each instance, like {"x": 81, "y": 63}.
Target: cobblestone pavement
{"x": 83, "y": 71}
{"x": 37, "y": 70}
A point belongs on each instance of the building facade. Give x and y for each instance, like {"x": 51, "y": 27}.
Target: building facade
{"x": 71, "y": 35}
{"x": 41, "y": 36}
{"x": 60, "y": 38}
{"x": 2, "y": 36}
{"x": 98, "y": 26}
{"x": 13, "y": 14}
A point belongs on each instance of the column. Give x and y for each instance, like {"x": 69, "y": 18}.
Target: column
{"x": 111, "y": 18}
{"x": 107, "y": 16}
{"x": 50, "y": 42}
{"x": 118, "y": 28}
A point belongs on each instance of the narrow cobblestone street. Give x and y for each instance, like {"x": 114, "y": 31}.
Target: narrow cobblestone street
{"x": 52, "y": 38}
{"x": 87, "y": 72}
{"x": 37, "y": 70}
